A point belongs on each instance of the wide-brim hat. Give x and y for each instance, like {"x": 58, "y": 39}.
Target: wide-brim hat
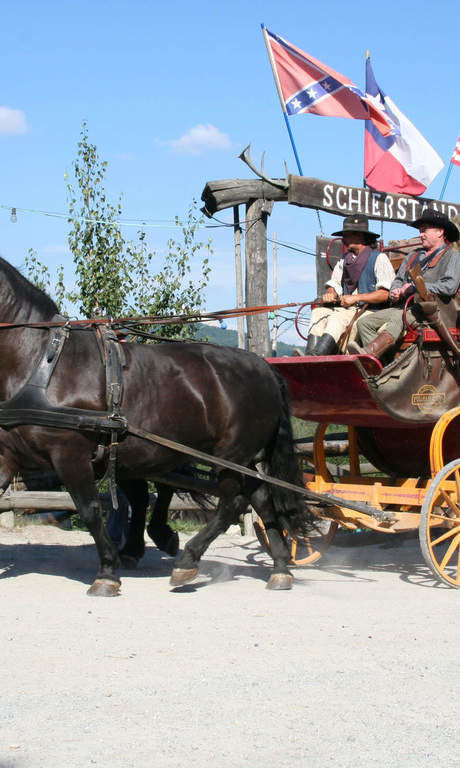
{"x": 433, "y": 218}
{"x": 355, "y": 223}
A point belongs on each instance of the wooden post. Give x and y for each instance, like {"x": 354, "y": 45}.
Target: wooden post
{"x": 256, "y": 273}
{"x": 275, "y": 296}
{"x": 239, "y": 275}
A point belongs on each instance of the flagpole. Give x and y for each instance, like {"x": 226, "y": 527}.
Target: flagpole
{"x": 368, "y": 55}
{"x": 449, "y": 171}
{"x": 280, "y": 94}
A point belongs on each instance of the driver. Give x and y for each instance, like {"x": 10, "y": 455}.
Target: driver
{"x": 440, "y": 265}
{"x": 363, "y": 276}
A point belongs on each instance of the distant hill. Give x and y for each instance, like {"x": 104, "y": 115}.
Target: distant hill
{"x": 229, "y": 338}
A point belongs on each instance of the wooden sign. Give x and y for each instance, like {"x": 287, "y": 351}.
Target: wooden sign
{"x": 343, "y": 201}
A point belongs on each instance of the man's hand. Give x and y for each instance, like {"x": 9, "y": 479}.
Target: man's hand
{"x": 330, "y": 296}
{"x": 399, "y": 293}
{"x": 348, "y": 300}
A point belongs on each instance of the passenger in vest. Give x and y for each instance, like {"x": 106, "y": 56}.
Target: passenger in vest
{"x": 440, "y": 266}
{"x": 362, "y": 276}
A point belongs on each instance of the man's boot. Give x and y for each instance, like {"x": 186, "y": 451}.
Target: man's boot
{"x": 326, "y": 345}
{"x": 312, "y": 341}
{"x": 353, "y": 348}
{"x": 377, "y": 347}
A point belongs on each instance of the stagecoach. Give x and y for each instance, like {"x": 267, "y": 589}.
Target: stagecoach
{"x": 404, "y": 418}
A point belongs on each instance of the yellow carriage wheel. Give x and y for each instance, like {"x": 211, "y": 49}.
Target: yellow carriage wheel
{"x": 304, "y": 549}
{"x": 439, "y": 530}
{"x": 437, "y": 438}
{"x": 307, "y": 549}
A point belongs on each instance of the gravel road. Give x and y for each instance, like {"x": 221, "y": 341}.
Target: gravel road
{"x": 356, "y": 666}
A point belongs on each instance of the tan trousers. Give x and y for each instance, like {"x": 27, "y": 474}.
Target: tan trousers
{"x": 389, "y": 320}
{"x": 334, "y": 321}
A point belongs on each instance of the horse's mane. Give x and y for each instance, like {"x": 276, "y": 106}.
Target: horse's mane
{"x": 25, "y": 292}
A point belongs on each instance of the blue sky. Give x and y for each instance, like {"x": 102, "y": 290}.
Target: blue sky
{"x": 148, "y": 76}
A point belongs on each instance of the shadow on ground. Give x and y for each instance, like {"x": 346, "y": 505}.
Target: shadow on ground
{"x": 360, "y": 558}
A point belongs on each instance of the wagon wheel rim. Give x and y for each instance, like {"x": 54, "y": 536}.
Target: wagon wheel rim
{"x": 440, "y": 525}
{"x": 308, "y": 549}
{"x": 261, "y": 534}
{"x": 304, "y": 549}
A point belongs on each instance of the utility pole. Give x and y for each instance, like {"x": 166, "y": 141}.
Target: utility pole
{"x": 257, "y": 212}
{"x": 239, "y": 275}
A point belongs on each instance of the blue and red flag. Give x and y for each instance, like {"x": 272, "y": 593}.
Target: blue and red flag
{"x": 403, "y": 162}
{"x": 455, "y": 159}
{"x": 307, "y": 85}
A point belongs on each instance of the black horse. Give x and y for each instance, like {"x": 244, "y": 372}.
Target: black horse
{"x": 222, "y": 401}
{"x": 158, "y": 529}
{"x": 163, "y": 536}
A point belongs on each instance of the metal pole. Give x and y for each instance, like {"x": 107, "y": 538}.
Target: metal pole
{"x": 239, "y": 275}
{"x": 275, "y": 295}
{"x": 449, "y": 171}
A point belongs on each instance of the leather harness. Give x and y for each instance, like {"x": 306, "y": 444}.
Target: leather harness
{"x": 30, "y": 405}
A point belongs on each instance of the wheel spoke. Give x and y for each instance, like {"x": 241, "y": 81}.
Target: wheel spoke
{"x": 455, "y": 544}
{"x": 445, "y": 536}
{"x": 436, "y": 518}
{"x": 450, "y": 502}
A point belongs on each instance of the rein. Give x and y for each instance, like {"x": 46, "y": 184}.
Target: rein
{"x": 150, "y": 320}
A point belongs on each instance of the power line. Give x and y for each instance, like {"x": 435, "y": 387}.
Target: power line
{"x": 157, "y": 223}
{"x": 290, "y": 246}
{"x": 145, "y": 223}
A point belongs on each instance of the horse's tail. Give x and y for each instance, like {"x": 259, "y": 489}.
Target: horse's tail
{"x": 283, "y": 464}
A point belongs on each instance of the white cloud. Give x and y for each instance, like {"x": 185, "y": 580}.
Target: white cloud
{"x": 12, "y": 121}
{"x": 200, "y": 139}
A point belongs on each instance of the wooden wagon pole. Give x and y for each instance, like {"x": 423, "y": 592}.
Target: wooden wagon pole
{"x": 257, "y": 212}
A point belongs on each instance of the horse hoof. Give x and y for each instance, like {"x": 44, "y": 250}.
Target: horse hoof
{"x": 172, "y": 545}
{"x": 280, "y": 581}
{"x": 129, "y": 562}
{"x": 181, "y": 576}
{"x": 104, "y": 588}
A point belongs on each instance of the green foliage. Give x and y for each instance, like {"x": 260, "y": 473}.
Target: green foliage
{"x": 113, "y": 275}
{"x": 172, "y": 291}
{"x": 95, "y": 240}
{"x": 37, "y": 272}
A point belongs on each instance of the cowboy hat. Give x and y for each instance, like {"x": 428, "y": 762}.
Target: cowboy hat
{"x": 433, "y": 218}
{"x": 355, "y": 223}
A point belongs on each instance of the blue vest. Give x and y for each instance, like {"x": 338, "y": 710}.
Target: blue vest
{"x": 367, "y": 280}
